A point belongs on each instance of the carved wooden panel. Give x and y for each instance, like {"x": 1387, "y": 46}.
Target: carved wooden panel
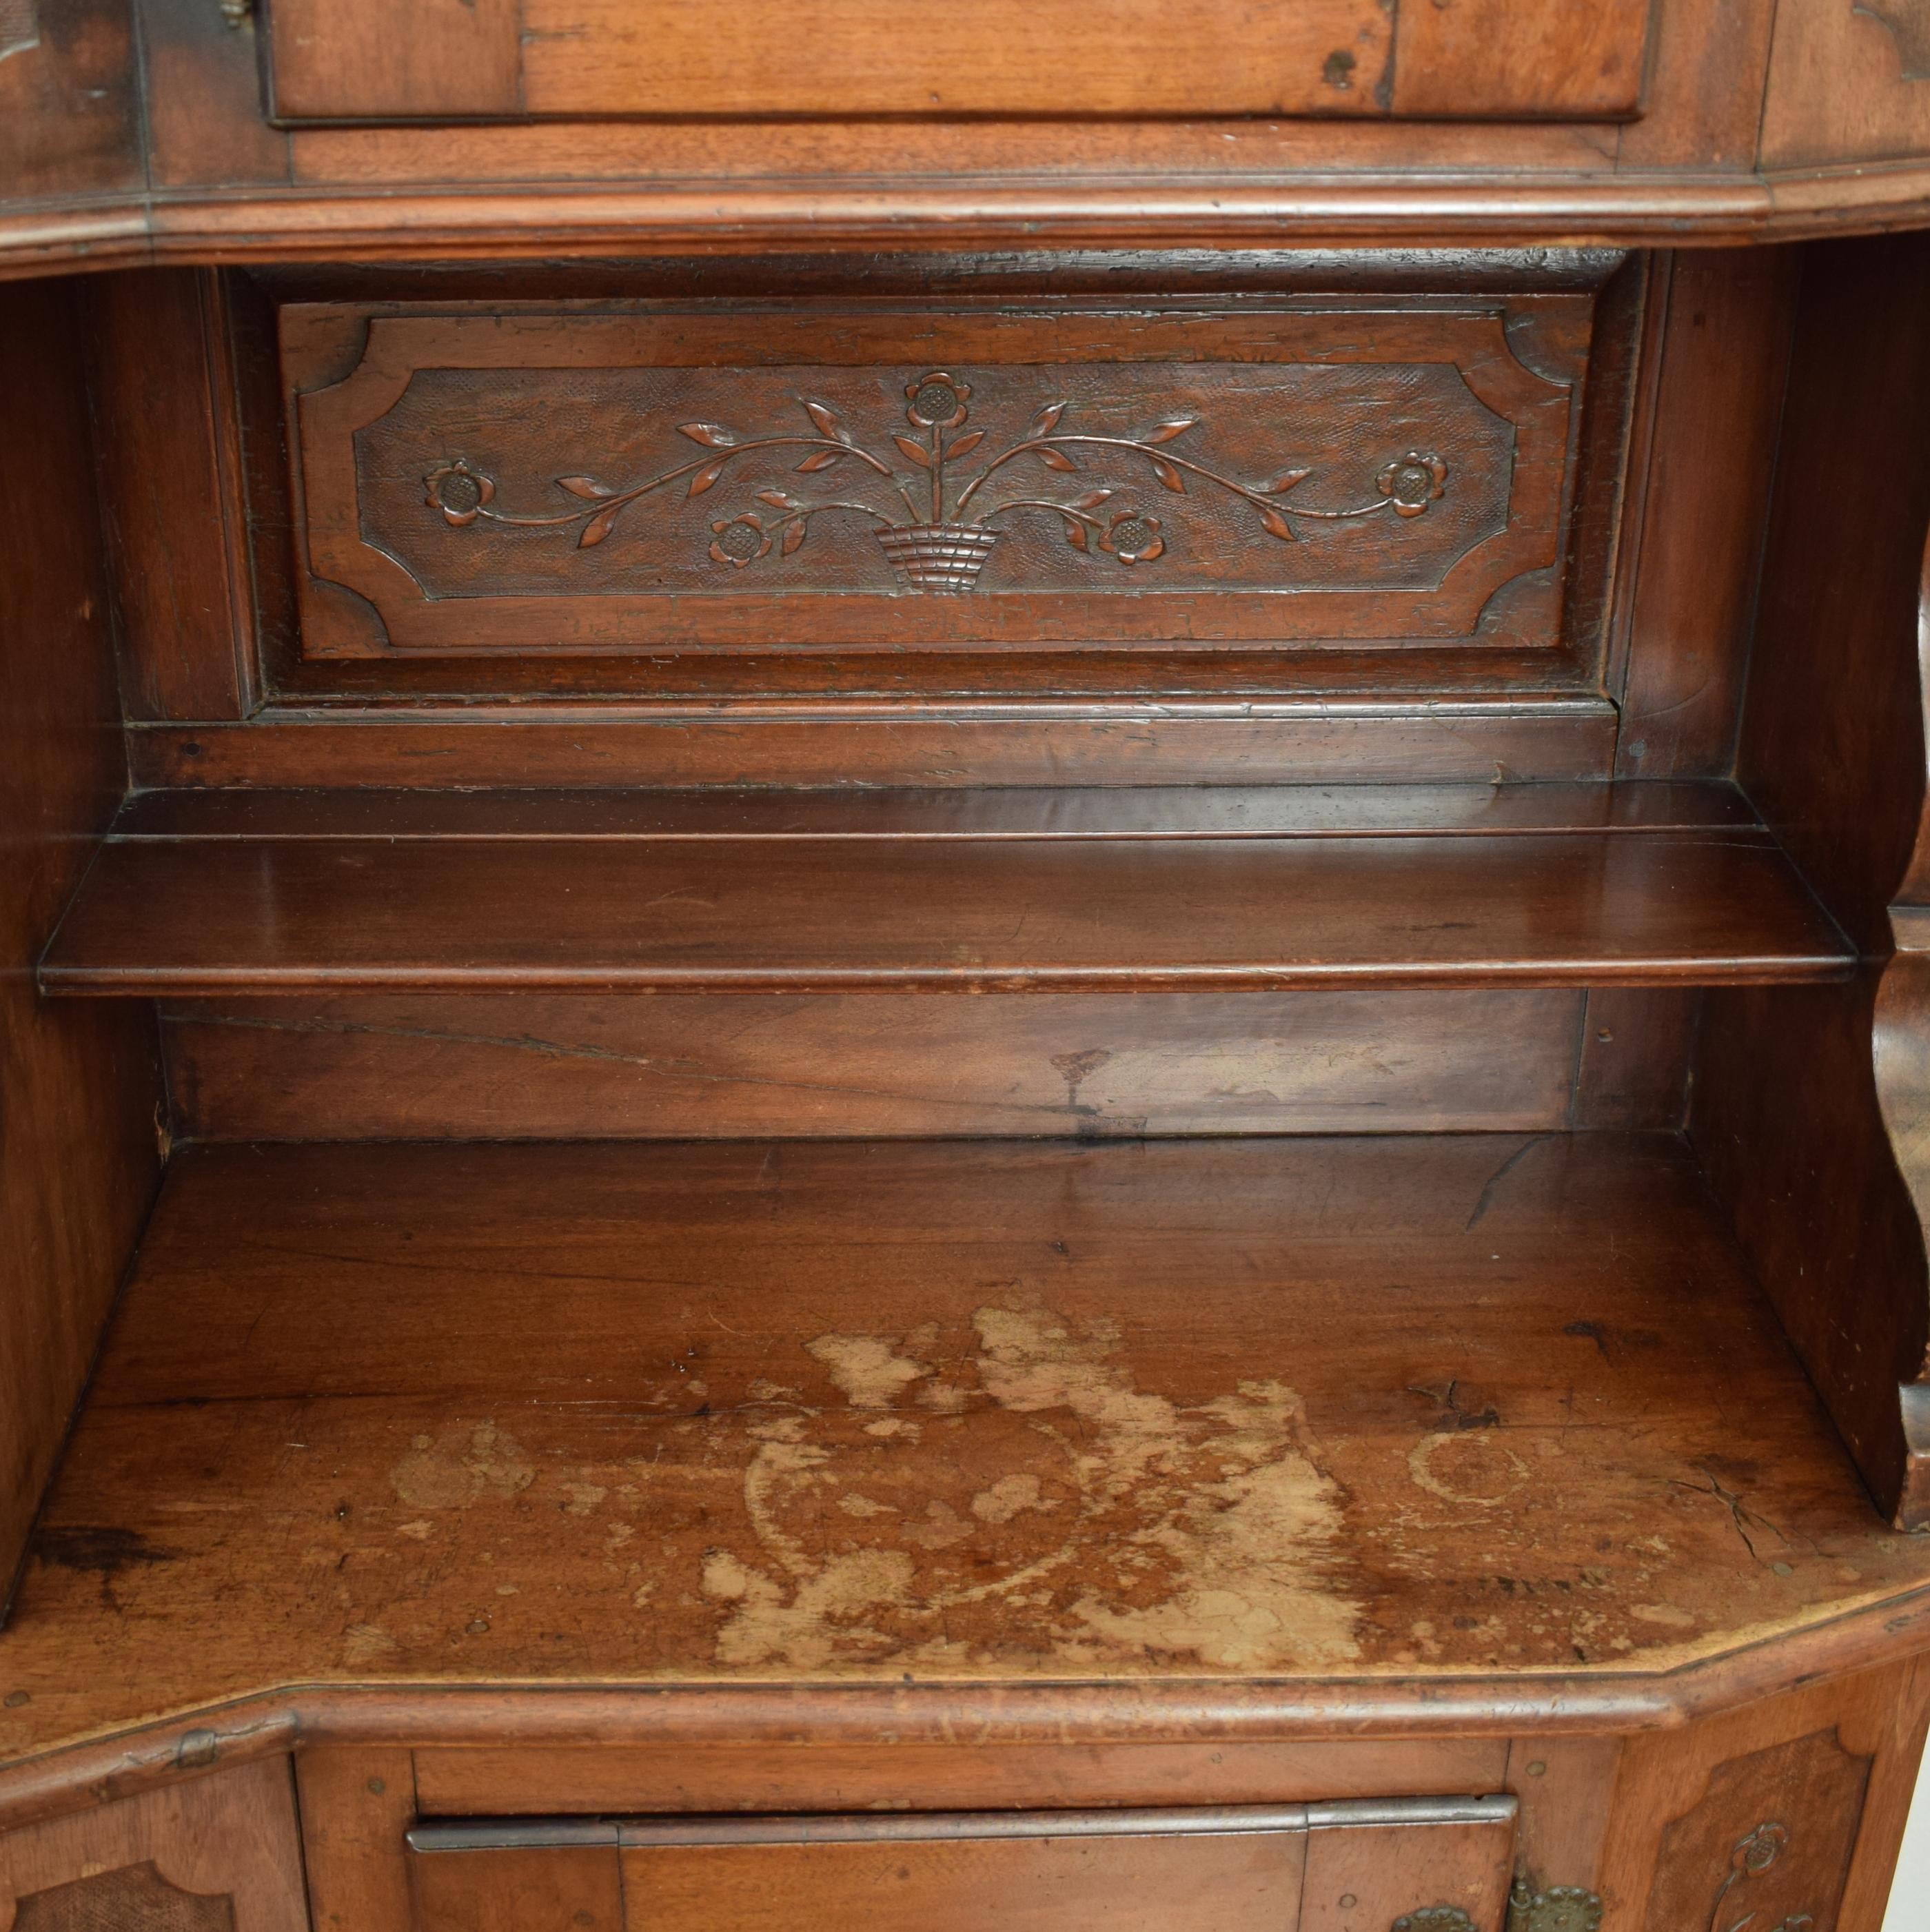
{"x": 1768, "y": 1848}
{"x": 136, "y": 1898}
{"x": 364, "y": 59}
{"x": 715, "y": 477}
{"x": 214, "y": 1853}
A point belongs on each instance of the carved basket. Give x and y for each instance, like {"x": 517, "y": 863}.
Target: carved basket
{"x": 945, "y": 558}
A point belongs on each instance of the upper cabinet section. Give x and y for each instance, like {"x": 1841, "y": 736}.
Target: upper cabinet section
{"x": 362, "y": 60}
{"x": 264, "y": 131}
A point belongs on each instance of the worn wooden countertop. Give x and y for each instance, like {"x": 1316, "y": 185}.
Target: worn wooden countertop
{"x": 873, "y": 1413}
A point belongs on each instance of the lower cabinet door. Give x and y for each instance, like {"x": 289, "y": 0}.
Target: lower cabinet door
{"x": 1400, "y": 1865}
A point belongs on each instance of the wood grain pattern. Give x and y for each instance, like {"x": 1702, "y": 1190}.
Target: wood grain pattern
{"x": 1170, "y": 742}
{"x": 1701, "y": 506}
{"x": 1771, "y": 1839}
{"x": 1585, "y": 62}
{"x": 69, "y": 103}
{"x": 1010, "y": 812}
{"x": 823, "y": 1776}
{"x": 186, "y": 917}
{"x": 1847, "y": 82}
{"x": 78, "y": 1158}
{"x": 454, "y": 58}
{"x": 1831, "y": 750}
{"x": 754, "y": 475}
{"x": 1327, "y": 57}
{"x": 1833, "y": 1764}
{"x": 1093, "y": 1066}
{"x": 216, "y": 1853}
{"x": 355, "y": 1806}
{"x": 915, "y": 1329}
{"x": 162, "y": 419}
{"x": 1272, "y": 1865}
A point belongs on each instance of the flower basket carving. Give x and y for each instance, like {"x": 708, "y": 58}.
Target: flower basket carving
{"x": 945, "y": 559}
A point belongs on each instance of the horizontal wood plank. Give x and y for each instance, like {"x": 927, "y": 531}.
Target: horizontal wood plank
{"x": 1163, "y": 811}
{"x": 1403, "y": 1407}
{"x": 700, "y": 1066}
{"x": 812, "y": 912}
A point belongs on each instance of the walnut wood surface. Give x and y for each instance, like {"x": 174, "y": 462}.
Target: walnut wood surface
{"x": 847, "y": 57}
{"x": 226, "y": 185}
{"x": 822, "y": 1776}
{"x": 748, "y": 913}
{"x": 1398, "y": 1407}
{"x": 1831, "y": 750}
{"x": 698, "y": 1066}
{"x": 1698, "y": 502}
{"x": 78, "y": 1159}
{"x": 1848, "y": 82}
{"x": 1792, "y": 1810}
{"x": 1016, "y": 812}
{"x": 1273, "y": 1865}
{"x": 216, "y": 1853}
{"x": 713, "y": 475}
{"x": 1133, "y": 742}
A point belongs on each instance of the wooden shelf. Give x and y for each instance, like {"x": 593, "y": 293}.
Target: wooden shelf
{"x": 1412, "y": 1407}
{"x": 1555, "y": 885}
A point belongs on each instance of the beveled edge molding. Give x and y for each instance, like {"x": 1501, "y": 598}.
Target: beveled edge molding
{"x": 621, "y": 219}
{"x": 277, "y": 1720}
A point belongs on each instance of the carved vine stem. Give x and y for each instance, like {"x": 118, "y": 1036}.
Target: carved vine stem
{"x": 941, "y": 547}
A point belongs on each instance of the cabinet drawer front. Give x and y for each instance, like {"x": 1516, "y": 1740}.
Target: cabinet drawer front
{"x": 1349, "y": 1868}
{"x": 721, "y": 477}
{"x": 364, "y": 59}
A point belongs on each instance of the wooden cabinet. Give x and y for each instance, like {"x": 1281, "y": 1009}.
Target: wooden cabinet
{"x": 962, "y": 969}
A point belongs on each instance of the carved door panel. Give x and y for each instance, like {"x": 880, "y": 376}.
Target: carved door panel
{"x": 1768, "y": 1848}
{"x": 1437, "y": 1865}
{"x": 793, "y": 477}
{"x": 216, "y": 1854}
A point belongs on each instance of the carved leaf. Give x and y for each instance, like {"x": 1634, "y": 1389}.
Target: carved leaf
{"x": 1284, "y": 482}
{"x": 793, "y": 537}
{"x": 966, "y": 444}
{"x": 713, "y": 436}
{"x": 1276, "y": 526}
{"x": 705, "y": 477}
{"x": 778, "y": 500}
{"x": 1056, "y": 459}
{"x": 827, "y": 423}
{"x": 1168, "y": 475}
{"x": 820, "y": 459}
{"x": 1091, "y": 499}
{"x": 585, "y": 486}
{"x": 1167, "y": 431}
{"x": 598, "y": 527}
{"x": 916, "y": 452}
{"x": 1047, "y": 420}
{"x": 1075, "y": 533}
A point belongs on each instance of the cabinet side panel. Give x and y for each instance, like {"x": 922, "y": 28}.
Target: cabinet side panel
{"x": 79, "y": 1091}
{"x": 216, "y": 1854}
{"x": 1785, "y": 1114}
